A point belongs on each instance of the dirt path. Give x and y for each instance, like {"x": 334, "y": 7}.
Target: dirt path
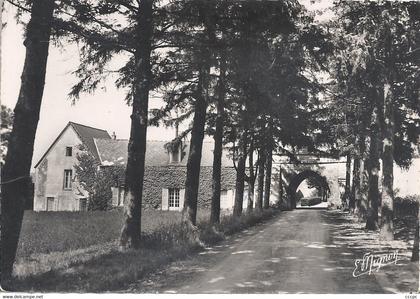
{"x": 297, "y": 252}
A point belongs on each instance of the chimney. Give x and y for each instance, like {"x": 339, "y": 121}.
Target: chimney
{"x": 114, "y": 136}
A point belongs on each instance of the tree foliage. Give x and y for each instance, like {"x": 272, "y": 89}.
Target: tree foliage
{"x": 6, "y": 129}
{"x": 97, "y": 181}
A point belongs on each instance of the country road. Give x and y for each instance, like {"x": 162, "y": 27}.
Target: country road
{"x": 297, "y": 252}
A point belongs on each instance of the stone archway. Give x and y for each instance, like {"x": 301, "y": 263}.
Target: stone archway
{"x": 298, "y": 178}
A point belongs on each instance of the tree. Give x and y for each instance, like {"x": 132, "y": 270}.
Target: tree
{"x": 218, "y": 144}
{"x": 134, "y": 175}
{"x": 399, "y": 40}
{"x": 236, "y": 32}
{"x": 385, "y": 62}
{"x": 205, "y": 15}
{"x": 387, "y": 200}
{"x": 96, "y": 180}
{"x": 15, "y": 175}
{"x": 266, "y": 82}
{"x": 240, "y": 175}
{"x": 6, "y": 129}
{"x": 347, "y": 186}
{"x": 255, "y": 68}
{"x": 373, "y": 167}
{"x": 101, "y": 28}
{"x": 250, "y": 179}
{"x": 261, "y": 173}
{"x": 355, "y": 185}
{"x": 267, "y": 187}
{"x": 415, "y": 252}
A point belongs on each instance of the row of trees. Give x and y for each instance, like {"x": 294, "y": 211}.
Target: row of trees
{"x": 246, "y": 72}
{"x": 374, "y": 100}
{"x": 202, "y": 56}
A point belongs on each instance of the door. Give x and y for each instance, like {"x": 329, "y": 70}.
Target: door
{"x": 50, "y": 204}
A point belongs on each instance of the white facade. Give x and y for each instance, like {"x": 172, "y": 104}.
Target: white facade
{"x": 51, "y": 192}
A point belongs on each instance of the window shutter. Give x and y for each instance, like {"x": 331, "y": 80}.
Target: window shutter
{"x": 114, "y": 199}
{"x": 165, "y": 193}
{"x": 181, "y": 199}
{"x": 230, "y": 199}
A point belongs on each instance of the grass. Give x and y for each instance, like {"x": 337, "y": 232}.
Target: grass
{"x": 46, "y": 232}
{"x": 102, "y": 267}
{"x": 56, "y": 240}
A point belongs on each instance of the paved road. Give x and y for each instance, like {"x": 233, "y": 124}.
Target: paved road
{"x": 293, "y": 253}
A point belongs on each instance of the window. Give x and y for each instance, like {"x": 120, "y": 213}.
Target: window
{"x": 175, "y": 155}
{"x": 69, "y": 151}
{"x": 173, "y": 199}
{"x": 50, "y": 204}
{"x": 67, "y": 178}
{"x": 82, "y": 204}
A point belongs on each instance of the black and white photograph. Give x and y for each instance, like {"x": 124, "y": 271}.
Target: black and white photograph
{"x": 164, "y": 147}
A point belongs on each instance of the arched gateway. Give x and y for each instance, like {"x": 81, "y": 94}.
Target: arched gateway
{"x": 325, "y": 173}
{"x": 298, "y": 178}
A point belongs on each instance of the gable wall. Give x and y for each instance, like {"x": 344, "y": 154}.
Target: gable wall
{"x": 49, "y": 175}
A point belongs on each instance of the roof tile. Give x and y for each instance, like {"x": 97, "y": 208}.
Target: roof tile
{"x": 88, "y": 134}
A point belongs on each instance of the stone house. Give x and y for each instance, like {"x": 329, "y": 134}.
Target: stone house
{"x": 56, "y": 188}
{"x": 165, "y": 174}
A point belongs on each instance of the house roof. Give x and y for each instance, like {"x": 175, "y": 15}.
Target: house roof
{"x": 86, "y": 135}
{"x": 114, "y": 152}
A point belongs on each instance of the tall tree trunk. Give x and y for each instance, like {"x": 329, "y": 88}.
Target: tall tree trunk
{"x": 280, "y": 185}
{"x": 260, "y": 190}
{"x": 373, "y": 171}
{"x": 268, "y": 165}
{"x": 194, "y": 157}
{"x": 218, "y": 147}
{"x": 415, "y": 252}
{"x": 361, "y": 196}
{"x": 1, "y": 30}
{"x": 15, "y": 174}
{"x": 134, "y": 173}
{"x": 355, "y": 186}
{"x": 251, "y": 180}
{"x": 199, "y": 121}
{"x": 240, "y": 177}
{"x": 387, "y": 202}
{"x": 347, "y": 187}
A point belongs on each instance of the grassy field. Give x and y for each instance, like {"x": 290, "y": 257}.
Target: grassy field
{"x": 94, "y": 263}
{"x": 46, "y": 232}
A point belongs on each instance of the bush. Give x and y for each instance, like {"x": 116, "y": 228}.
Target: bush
{"x": 229, "y": 225}
{"x": 178, "y": 234}
{"x": 173, "y": 235}
{"x": 406, "y": 206}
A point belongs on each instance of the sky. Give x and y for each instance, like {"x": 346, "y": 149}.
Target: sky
{"x": 105, "y": 109}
